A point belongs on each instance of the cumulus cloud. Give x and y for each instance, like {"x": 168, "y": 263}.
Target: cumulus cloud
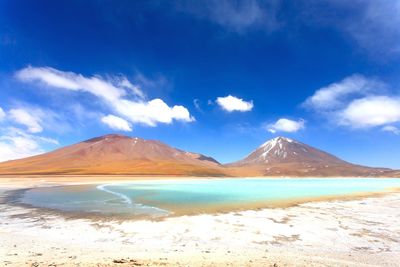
{"x": 118, "y": 93}
{"x": 22, "y": 116}
{"x": 232, "y": 103}
{"x": 15, "y": 144}
{"x": 391, "y": 129}
{"x": 286, "y": 125}
{"x": 2, "y": 114}
{"x": 116, "y": 123}
{"x": 333, "y": 95}
{"x": 371, "y": 111}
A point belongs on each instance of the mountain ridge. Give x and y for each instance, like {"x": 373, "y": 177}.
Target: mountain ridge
{"x": 120, "y": 154}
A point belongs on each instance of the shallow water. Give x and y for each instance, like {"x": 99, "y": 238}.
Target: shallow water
{"x": 163, "y": 197}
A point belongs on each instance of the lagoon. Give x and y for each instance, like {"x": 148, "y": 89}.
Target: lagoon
{"x": 160, "y": 198}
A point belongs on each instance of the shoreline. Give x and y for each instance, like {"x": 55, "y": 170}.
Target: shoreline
{"x": 341, "y": 232}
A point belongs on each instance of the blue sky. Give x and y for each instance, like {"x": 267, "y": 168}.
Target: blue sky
{"x": 215, "y": 77}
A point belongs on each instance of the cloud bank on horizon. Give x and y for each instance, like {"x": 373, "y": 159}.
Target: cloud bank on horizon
{"x": 220, "y": 72}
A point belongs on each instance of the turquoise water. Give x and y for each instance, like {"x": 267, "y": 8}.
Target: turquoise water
{"x": 163, "y": 197}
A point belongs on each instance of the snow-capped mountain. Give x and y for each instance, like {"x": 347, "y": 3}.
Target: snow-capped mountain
{"x": 282, "y": 149}
{"x": 283, "y": 156}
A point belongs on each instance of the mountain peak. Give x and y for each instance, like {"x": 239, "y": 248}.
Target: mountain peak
{"x": 107, "y": 137}
{"x": 280, "y": 140}
{"x": 285, "y": 150}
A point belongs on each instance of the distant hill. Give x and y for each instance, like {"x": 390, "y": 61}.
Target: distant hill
{"x": 118, "y": 154}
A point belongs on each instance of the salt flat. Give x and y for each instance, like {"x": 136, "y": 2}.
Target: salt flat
{"x": 361, "y": 232}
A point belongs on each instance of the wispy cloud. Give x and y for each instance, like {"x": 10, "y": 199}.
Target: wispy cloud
{"x": 118, "y": 93}
{"x": 16, "y": 143}
{"x": 235, "y": 16}
{"x": 22, "y": 116}
{"x": 391, "y": 129}
{"x": 108, "y": 90}
{"x": 116, "y": 123}
{"x": 376, "y": 27}
{"x": 20, "y": 129}
{"x": 2, "y": 114}
{"x": 286, "y": 125}
{"x": 37, "y": 119}
{"x": 333, "y": 95}
{"x": 232, "y": 103}
{"x": 196, "y": 103}
{"x": 357, "y": 102}
{"x": 372, "y": 25}
{"x": 156, "y": 83}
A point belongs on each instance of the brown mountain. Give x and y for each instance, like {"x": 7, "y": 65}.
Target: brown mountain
{"x": 287, "y": 157}
{"x": 116, "y": 154}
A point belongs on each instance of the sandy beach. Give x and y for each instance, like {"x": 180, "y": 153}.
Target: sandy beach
{"x": 359, "y": 232}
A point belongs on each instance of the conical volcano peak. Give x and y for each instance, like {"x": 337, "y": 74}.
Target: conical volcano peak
{"x": 284, "y": 150}
{"x": 280, "y": 140}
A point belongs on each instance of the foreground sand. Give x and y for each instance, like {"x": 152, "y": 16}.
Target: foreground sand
{"x": 363, "y": 232}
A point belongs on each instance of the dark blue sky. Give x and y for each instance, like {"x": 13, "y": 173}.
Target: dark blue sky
{"x": 323, "y": 72}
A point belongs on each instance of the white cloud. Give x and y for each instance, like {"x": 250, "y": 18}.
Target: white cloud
{"x": 357, "y": 102}
{"x": 333, "y": 95}
{"x": 236, "y": 16}
{"x": 391, "y": 129}
{"x": 232, "y": 103}
{"x": 371, "y": 111}
{"x": 125, "y": 83}
{"x": 286, "y": 125}
{"x": 116, "y": 93}
{"x": 152, "y": 112}
{"x": 15, "y": 144}
{"x": 75, "y": 82}
{"x": 21, "y": 116}
{"x": 2, "y": 114}
{"x": 116, "y": 123}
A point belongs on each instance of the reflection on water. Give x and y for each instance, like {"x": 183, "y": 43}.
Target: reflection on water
{"x": 161, "y": 197}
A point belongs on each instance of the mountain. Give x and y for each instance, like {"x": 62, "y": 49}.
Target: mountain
{"x": 116, "y": 154}
{"x": 282, "y": 156}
